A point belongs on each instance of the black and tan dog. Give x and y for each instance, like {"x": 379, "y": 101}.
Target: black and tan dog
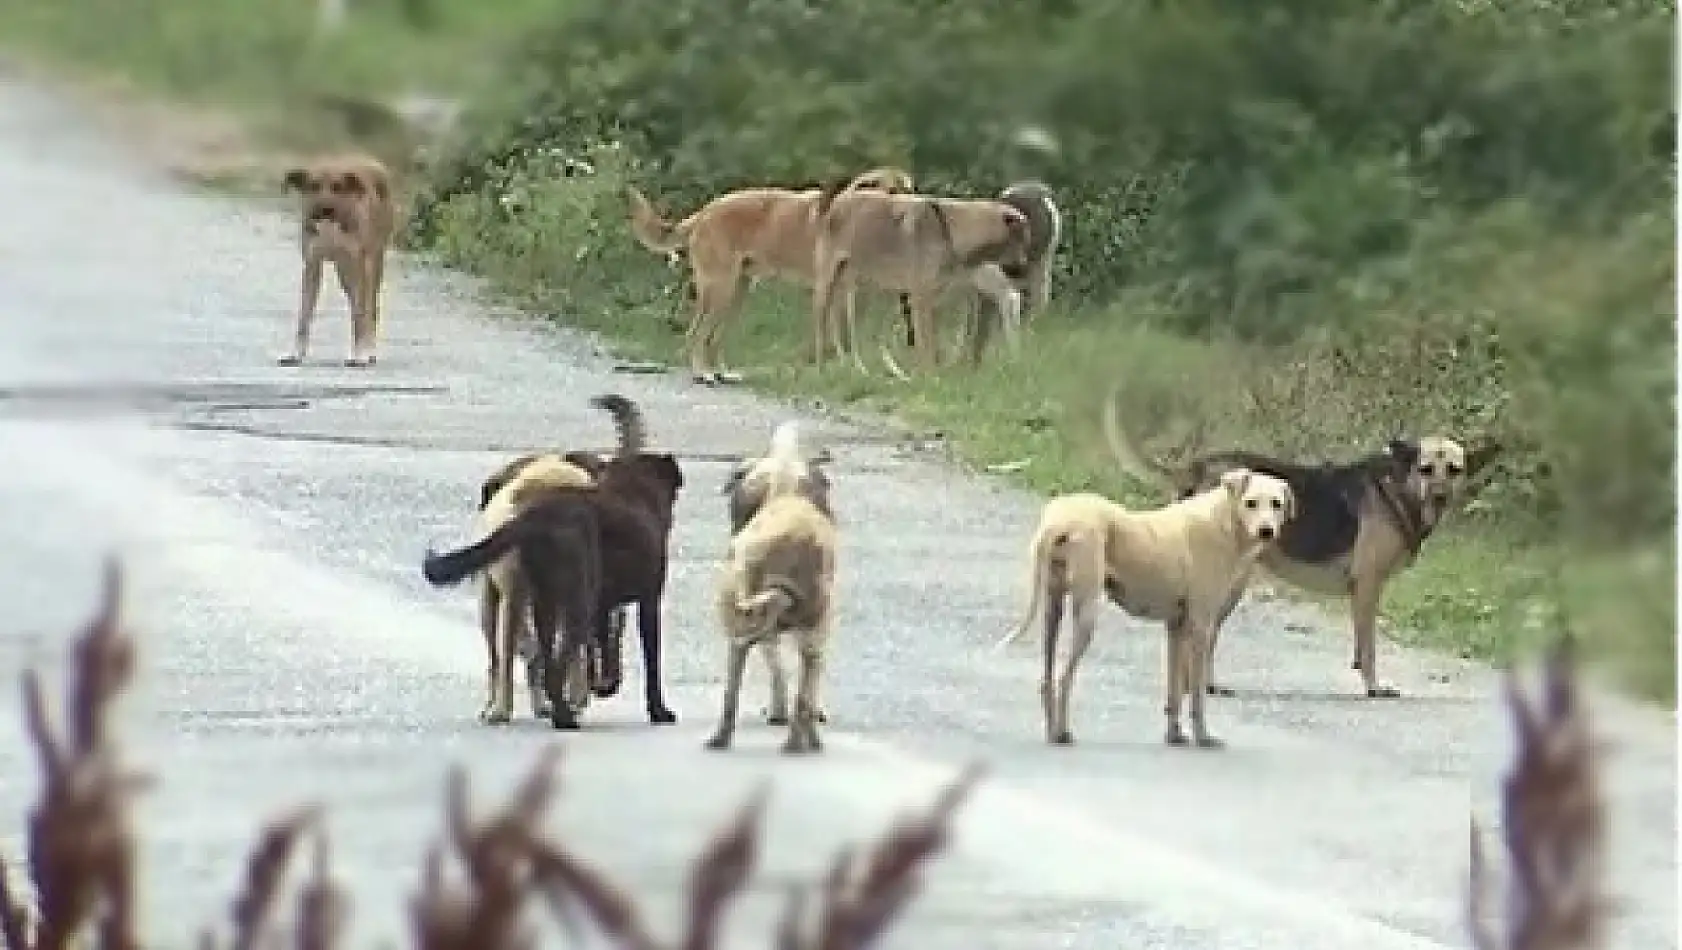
{"x": 346, "y": 216}
{"x": 778, "y": 581}
{"x": 747, "y": 487}
{"x": 585, "y": 551}
{"x": 1358, "y": 524}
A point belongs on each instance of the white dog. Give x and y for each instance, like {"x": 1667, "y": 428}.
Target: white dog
{"x": 1176, "y": 565}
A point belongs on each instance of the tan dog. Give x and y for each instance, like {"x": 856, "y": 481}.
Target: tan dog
{"x": 346, "y": 217}
{"x": 779, "y": 578}
{"x": 1176, "y": 565}
{"x": 503, "y": 601}
{"x": 1361, "y": 523}
{"x": 738, "y": 237}
{"x": 917, "y": 245}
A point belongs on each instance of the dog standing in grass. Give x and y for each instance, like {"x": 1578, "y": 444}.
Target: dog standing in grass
{"x": 734, "y": 239}
{"x": 1176, "y": 565}
{"x": 1360, "y": 524}
{"x": 920, "y": 246}
{"x": 346, "y": 218}
{"x": 778, "y": 580}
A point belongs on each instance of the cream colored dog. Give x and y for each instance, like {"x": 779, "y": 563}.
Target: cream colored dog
{"x": 1177, "y": 565}
{"x": 778, "y": 578}
{"x": 346, "y": 216}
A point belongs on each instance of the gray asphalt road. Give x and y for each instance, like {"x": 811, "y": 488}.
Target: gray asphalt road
{"x": 272, "y": 522}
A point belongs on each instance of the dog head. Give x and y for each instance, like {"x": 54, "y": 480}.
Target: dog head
{"x": 1263, "y": 504}
{"x": 1434, "y": 469}
{"x": 786, "y": 468}
{"x": 335, "y": 191}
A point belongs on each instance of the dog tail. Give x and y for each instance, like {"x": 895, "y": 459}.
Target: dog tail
{"x": 758, "y": 614}
{"x": 442, "y": 569}
{"x": 653, "y": 231}
{"x": 785, "y": 442}
{"x": 627, "y": 422}
{"x": 1124, "y": 446}
{"x": 1045, "y": 547}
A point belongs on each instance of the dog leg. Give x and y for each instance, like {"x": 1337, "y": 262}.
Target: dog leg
{"x": 734, "y": 669}
{"x": 1214, "y": 688}
{"x": 1174, "y": 681}
{"x": 1053, "y": 620}
{"x": 714, "y": 340}
{"x": 509, "y": 627}
{"x": 1363, "y": 610}
{"x": 309, "y": 296}
{"x": 557, "y": 659}
{"x": 1196, "y": 667}
{"x": 489, "y": 609}
{"x": 927, "y": 352}
{"x": 712, "y": 297}
{"x": 648, "y": 629}
{"x": 776, "y": 713}
{"x": 803, "y": 729}
{"x": 610, "y": 641}
{"x": 905, "y": 317}
{"x": 1085, "y": 623}
{"x": 823, "y": 305}
{"x": 991, "y": 283}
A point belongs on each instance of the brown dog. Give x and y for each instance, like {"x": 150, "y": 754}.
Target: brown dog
{"x": 346, "y": 216}
{"x": 738, "y": 237}
{"x": 779, "y": 578}
{"x": 917, "y": 245}
{"x": 1177, "y": 565}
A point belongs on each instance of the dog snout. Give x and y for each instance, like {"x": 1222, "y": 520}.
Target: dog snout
{"x": 1266, "y": 532}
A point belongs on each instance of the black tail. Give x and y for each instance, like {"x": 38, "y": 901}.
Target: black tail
{"x": 452, "y": 567}
{"x": 627, "y": 421}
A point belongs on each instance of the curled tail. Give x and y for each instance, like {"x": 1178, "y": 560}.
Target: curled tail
{"x": 759, "y": 614}
{"x": 627, "y": 422}
{"x": 1047, "y": 545}
{"x": 653, "y": 231}
{"x": 1124, "y": 446}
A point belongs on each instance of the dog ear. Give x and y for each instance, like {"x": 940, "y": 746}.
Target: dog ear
{"x": 733, "y": 478}
{"x": 1290, "y": 503}
{"x": 1236, "y": 480}
{"x": 295, "y": 179}
{"x": 669, "y": 469}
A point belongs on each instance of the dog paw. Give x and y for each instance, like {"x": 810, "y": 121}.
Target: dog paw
{"x": 362, "y": 363}
{"x": 1383, "y": 692}
{"x": 718, "y": 742}
{"x": 1207, "y": 741}
{"x": 705, "y": 379}
{"x": 563, "y": 717}
{"x": 727, "y": 377}
{"x": 1064, "y": 737}
{"x": 1216, "y": 689}
{"x": 291, "y": 359}
{"x": 1174, "y": 736}
{"x": 779, "y": 718}
{"x": 661, "y": 716}
{"x": 795, "y": 747}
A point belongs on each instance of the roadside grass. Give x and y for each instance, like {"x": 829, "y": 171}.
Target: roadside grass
{"x": 1488, "y": 587}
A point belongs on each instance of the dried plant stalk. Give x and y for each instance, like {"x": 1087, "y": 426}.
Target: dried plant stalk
{"x": 1552, "y": 820}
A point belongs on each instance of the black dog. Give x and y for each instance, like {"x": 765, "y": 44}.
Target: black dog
{"x": 586, "y": 552}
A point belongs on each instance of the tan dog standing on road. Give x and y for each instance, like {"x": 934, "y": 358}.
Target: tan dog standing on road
{"x": 346, "y": 217}
{"x": 917, "y": 245}
{"x": 779, "y": 579}
{"x": 738, "y": 237}
{"x": 1176, "y": 565}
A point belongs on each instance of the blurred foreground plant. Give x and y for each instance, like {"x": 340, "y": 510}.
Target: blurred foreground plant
{"x": 81, "y": 850}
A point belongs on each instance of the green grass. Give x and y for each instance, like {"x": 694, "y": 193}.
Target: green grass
{"x": 1485, "y": 587}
